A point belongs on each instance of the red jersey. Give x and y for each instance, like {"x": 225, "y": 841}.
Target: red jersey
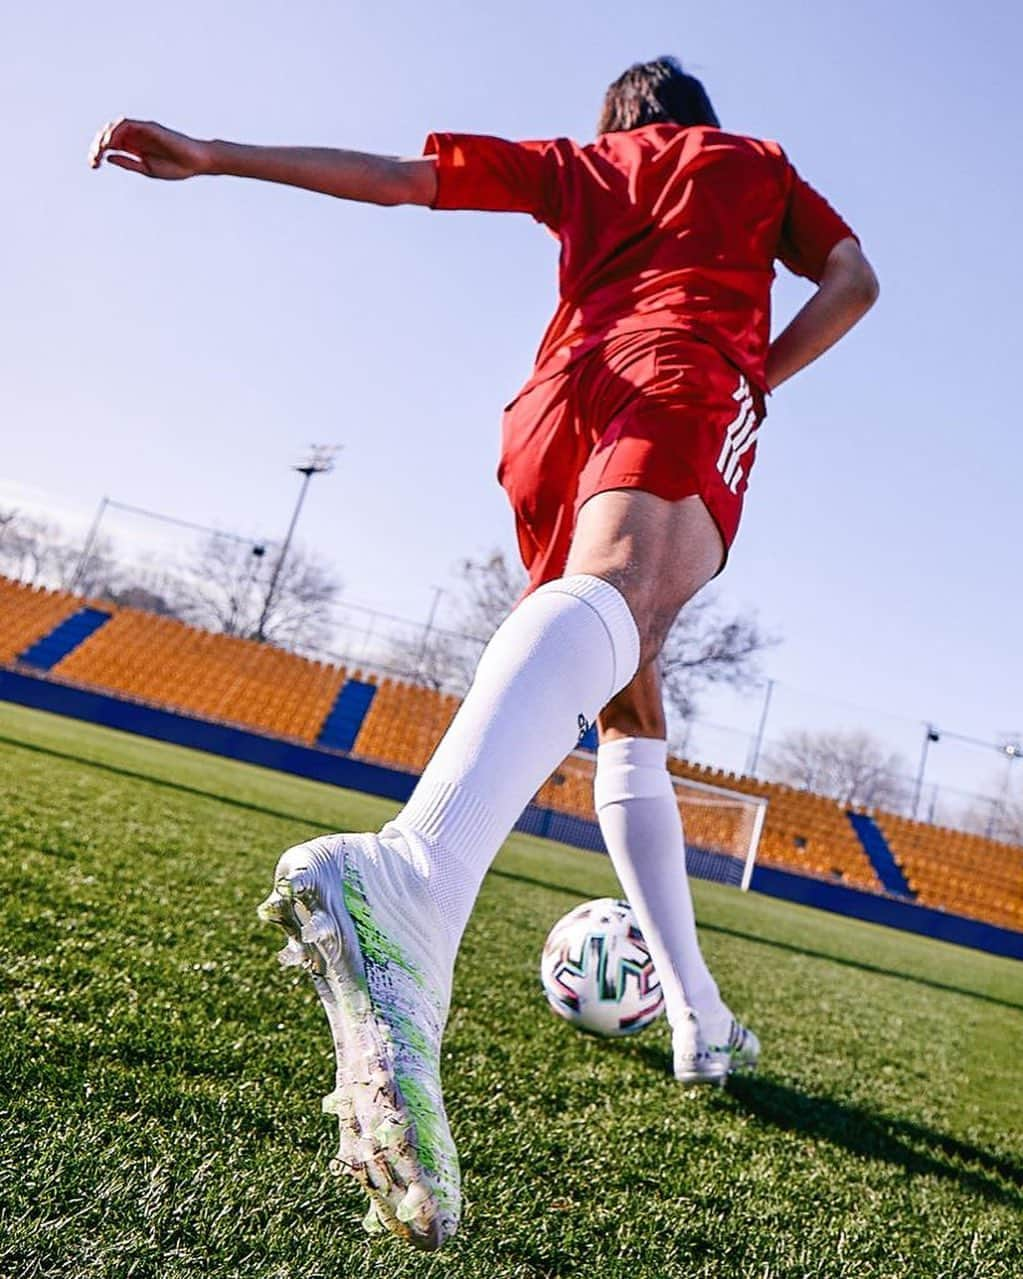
{"x": 660, "y": 227}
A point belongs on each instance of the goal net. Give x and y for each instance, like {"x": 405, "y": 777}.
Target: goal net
{"x": 722, "y": 826}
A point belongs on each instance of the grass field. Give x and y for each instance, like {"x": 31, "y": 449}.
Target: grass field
{"x": 160, "y": 1076}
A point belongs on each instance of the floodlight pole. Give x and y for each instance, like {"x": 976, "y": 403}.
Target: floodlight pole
{"x": 1012, "y": 751}
{"x": 320, "y": 461}
{"x": 931, "y": 734}
{"x": 90, "y": 540}
{"x": 438, "y": 591}
{"x": 761, "y": 728}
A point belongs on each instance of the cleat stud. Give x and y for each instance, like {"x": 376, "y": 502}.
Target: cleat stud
{"x": 415, "y": 1197}
{"x": 338, "y": 1103}
{"x": 273, "y": 910}
{"x": 316, "y": 927}
{"x": 293, "y": 955}
{"x": 389, "y": 1134}
{"x": 371, "y": 1223}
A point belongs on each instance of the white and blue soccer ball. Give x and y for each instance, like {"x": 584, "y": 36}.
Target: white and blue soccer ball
{"x": 597, "y": 972}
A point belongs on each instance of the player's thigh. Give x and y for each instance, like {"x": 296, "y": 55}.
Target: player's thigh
{"x": 637, "y": 711}
{"x": 658, "y": 553}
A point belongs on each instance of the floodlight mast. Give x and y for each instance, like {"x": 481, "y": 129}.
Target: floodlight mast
{"x": 319, "y": 462}
{"x": 1012, "y": 749}
{"x": 931, "y": 734}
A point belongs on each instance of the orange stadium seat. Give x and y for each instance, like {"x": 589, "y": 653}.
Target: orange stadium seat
{"x": 803, "y": 831}
{"x": 165, "y": 662}
{"x": 404, "y": 724}
{"x": 27, "y": 613}
{"x": 221, "y": 677}
{"x": 955, "y": 871}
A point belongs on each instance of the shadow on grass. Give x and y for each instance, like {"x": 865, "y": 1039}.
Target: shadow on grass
{"x": 182, "y": 787}
{"x": 863, "y": 1132}
{"x": 908, "y": 1145}
{"x": 789, "y": 948}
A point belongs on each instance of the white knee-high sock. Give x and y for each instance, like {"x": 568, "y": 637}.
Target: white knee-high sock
{"x": 554, "y": 663}
{"x": 642, "y": 828}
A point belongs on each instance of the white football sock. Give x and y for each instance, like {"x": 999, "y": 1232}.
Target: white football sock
{"x": 642, "y": 828}
{"x": 554, "y": 663}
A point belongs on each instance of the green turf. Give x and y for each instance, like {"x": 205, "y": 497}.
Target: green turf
{"x": 160, "y": 1076}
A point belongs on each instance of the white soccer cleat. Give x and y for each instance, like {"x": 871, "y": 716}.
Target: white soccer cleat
{"x": 702, "y": 1059}
{"x": 358, "y": 919}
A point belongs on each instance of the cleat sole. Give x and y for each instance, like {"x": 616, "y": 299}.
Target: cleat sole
{"x": 377, "y": 1145}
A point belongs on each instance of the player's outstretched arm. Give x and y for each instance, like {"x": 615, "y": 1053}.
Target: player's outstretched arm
{"x": 157, "y": 152}
{"x": 847, "y": 290}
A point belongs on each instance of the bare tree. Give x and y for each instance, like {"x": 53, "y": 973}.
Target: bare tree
{"x": 445, "y": 657}
{"x": 441, "y": 659}
{"x": 148, "y": 595}
{"x": 852, "y": 767}
{"x": 488, "y": 590}
{"x": 999, "y": 813}
{"x": 224, "y": 588}
{"x": 1012, "y": 822}
{"x": 41, "y": 553}
{"x": 704, "y": 648}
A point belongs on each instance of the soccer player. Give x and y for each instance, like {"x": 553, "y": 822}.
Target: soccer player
{"x": 626, "y": 458}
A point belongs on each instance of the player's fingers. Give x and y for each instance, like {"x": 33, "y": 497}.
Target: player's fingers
{"x": 96, "y": 147}
{"x": 131, "y": 162}
{"x": 110, "y": 135}
{"x": 113, "y": 129}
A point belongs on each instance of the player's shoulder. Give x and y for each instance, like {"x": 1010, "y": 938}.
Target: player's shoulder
{"x": 655, "y": 140}
{"x": 722, "y": 139}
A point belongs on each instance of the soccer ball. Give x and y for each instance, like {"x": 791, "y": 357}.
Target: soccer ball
{"x": 597, "y": 972}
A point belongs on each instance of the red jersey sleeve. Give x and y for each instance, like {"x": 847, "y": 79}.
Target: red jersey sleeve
{"x": 810, "y": 231}
{"x": 478, "y": 172}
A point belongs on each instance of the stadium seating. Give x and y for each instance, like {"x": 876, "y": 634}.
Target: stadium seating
{"x": 165, "y": 662}
{"x": 28, "y": 613}
{"x": 954, "y": 871}
{"x": 403, "y": 725}
{"x": 803, "y": 831}
{"x": 221, "y": 677}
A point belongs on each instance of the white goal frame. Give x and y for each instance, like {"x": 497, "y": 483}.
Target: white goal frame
{"x": 733, "y": 798}
{"x": 563, "y": 810}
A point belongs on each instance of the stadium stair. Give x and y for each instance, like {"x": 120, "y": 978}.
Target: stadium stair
{"x": 881, "y": 857}
{"x": 65, "y": 637}
{"x": 341, "y": 727}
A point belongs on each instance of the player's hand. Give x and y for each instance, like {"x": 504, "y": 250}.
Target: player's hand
{"x": 148, "y": 148}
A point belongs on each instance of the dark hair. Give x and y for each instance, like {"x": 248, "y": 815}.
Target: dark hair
{"x": 657, "y": 92}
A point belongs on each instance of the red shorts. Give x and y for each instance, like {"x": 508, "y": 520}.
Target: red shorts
{"x": 656, "y": 410}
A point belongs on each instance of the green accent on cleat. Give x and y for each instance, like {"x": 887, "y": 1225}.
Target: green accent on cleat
{"x": 376, "y": 948}
{"x": 358, "y": 921}
{"x": 371, "y": 1223}
{"x": 390, "y": 1133}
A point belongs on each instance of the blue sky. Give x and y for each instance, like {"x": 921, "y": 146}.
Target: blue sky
{"x": 176, "y": 346}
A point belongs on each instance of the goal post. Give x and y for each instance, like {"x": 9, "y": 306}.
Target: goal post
{"x": 722, "y": 826}
{"x": 723, "y": 829}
